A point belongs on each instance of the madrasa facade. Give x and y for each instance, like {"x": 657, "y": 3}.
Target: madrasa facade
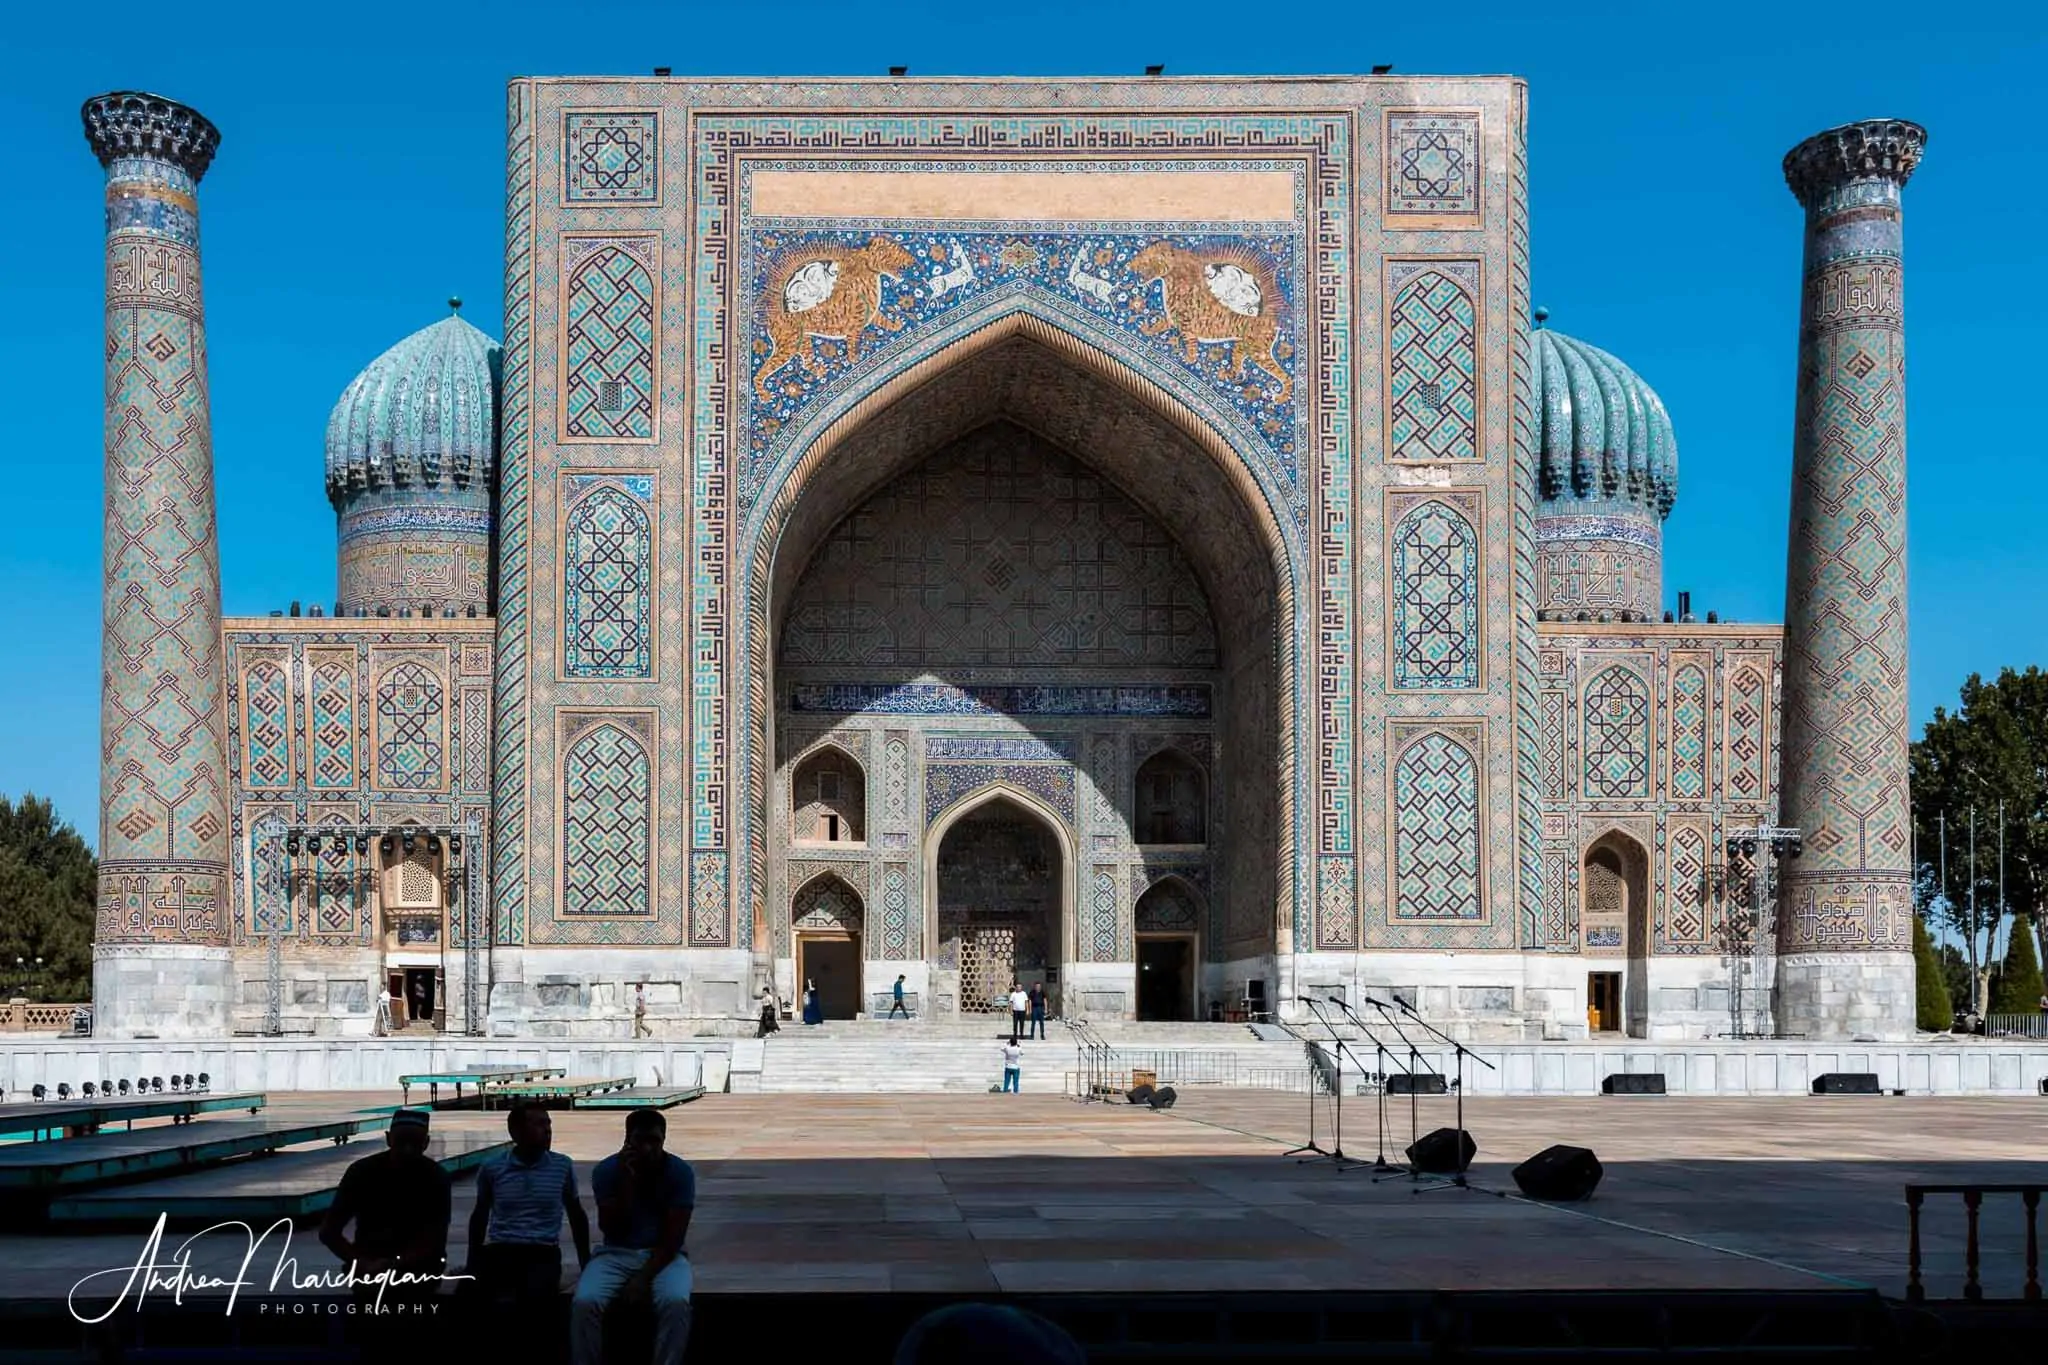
{"x": 1135, "y": 535}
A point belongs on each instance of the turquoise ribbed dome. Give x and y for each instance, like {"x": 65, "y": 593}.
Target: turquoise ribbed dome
{"x": 1605, "y": 434}
{"x": 423, "y": 416}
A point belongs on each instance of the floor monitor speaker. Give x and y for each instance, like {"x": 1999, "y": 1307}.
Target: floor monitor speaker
{"x": 1163, "y": 1097}
{"x": 1847, "y": 1083}
{"x": 1559, "y": 1173}
{"x": 1421, "y": 1083}
{"x": 1447, "y": 1151}
{"x": 1139, "y": 1094}
{"x": 1633, "y": 1083}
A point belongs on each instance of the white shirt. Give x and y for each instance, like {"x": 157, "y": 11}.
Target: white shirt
{"x": 1019, "y": 1001}
{"x": 1013, "y": 1056}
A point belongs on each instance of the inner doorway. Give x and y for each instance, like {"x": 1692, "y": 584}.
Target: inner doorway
{"x": 1603, "y": 1002}
{"x": 420, "y": 996}
{"x": 999, "y": 881}
{"x": 833, "y": 962}
{"x": 1166, "y": 977}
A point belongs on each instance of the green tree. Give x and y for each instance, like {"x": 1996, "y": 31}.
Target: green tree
{"x": 1989, "y": 754}
{"x": 1935, "y": 1012}
{"x": 48, "y": 879}
{"x": 2019, "y": 978}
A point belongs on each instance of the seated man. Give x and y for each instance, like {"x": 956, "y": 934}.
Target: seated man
{"x": 515, "y": 1233}
{"x": 644, "y": 1199}
{"x": 398, "y": 1200}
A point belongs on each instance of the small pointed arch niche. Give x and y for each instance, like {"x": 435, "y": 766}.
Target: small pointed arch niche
{"x": 828, "y": 798}
{"x": 1170, "y": 800}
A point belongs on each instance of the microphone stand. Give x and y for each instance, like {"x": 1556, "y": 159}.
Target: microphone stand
{"x": 1461, "y": 1052}
{"x": 1336, "y": 1152}
{"x": 1379, "y": 1161}
{"x": 1413, "y": 1067}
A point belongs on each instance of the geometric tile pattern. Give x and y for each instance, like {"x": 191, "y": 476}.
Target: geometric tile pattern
{"x": 267, "y": 725}
{"x": 412, "y": 727}
{"x": 1748, "y": 709}
{"x": 1170, "y": 907}
{"x": 1688, "y": 755}
{"x": 607, "y": 826}
{"x": 271, "y": 901}
{"x": 1437, "y": 830}
{"x": 607, "y": 594}
{"x": 611, "y": 158}
{"x": 1685, "y": 914}
{"x": 900, "y": 941}
{"x": 1435, "y": 606}
{"x": 1433, "y": 171}
{"x": 1336, "y": 902}
{"x": 1432, "y": 369}
{"x": 1103, "y": 934}
{"x": 608, "y": 360}
{"x": 164, "y": 833}
{"x": 333, "y": 687}
{"x": 1615, "y": 735}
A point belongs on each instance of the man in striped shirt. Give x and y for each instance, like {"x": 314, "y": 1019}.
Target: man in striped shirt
{"x": 515, "y": 1234}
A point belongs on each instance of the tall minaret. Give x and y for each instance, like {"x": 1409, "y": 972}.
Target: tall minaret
{"x": 1845, "y": 923}
{"x": 161, "y": 960}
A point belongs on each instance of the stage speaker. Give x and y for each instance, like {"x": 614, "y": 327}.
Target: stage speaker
{"x": 1847, "y": 1083}
{"x": 1559, "y": 1173}
{"x": 1163, "y": 1097}
{"x": 2044, "y": 1085}
{"x": 1139, "y": 1094}
{"x": 1447, "y": 1151}
{"x": 1421, "y": 1083}
{"x": 1633, "y": 1083}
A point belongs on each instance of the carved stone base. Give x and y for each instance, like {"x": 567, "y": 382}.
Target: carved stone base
{"x": 1846, "y": 995}
{"x": 161, "y": 990}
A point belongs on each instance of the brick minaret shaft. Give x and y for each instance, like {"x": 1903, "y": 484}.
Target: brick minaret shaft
{"x": 1845, "y": 927}
{"x": 161, "y": 957}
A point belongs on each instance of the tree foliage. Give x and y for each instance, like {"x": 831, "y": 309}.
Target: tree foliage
{"x": 1992, "y": 750}
{"x": 48, "y": 879}
{"x": 2019, "y": 979}
{"x": 1933, "y": 1008}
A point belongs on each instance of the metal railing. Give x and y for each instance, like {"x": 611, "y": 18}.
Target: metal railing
{"x": 2016, "y": 1025}
{"x": 1105, "y": 1071}
{"x": 1293, "y": 1079}
{"x": 1973, "y": 1200}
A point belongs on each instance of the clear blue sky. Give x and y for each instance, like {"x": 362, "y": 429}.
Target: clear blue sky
{"x": 361, "y": 181}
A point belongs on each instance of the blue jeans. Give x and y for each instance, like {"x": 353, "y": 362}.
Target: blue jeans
{"x": 602, "y": 1280}
{"x": 1012, "y": 1078}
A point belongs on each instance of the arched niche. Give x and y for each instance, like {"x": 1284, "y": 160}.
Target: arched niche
{"x": 1170, "y": 800}
{"x": 1000, "y": 884}
{"x": 828, "y": 798}
{"x": 1614, "y": 900}
{"x": 827, "y": 917}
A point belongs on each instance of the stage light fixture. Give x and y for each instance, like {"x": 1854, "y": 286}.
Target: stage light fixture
{"x": 205, "y": 1081}
{"x": 407, "y": 840}
{"x": 384, "y": 847}
{"x": 291, "y": 843}
{"x": 188, "y": 1080}
{"x": 37, "y": 1092}
{"x": 362, "y": 843}
{"x": 63, "y": 1090}
{"x": 90, "y": 1090}
{"x": 455, "y": 843}
{"x": 124, "y": 1085}
{"x": 434, "y": 844}
{"x": 313, "y": 844}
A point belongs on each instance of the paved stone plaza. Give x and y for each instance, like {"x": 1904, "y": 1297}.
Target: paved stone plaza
{"x": 1034, "y": 1194}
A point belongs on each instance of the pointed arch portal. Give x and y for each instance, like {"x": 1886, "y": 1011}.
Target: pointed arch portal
{"x": 1023, "y": 561}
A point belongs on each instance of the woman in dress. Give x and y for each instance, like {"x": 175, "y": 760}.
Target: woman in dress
{"x": 769, "y": 1023}
{"x": 814, "y": 1010}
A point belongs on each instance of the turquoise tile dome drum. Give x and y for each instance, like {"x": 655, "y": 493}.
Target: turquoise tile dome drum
{"x": 1607, "y": 476}
{"x": 411, "y": 463}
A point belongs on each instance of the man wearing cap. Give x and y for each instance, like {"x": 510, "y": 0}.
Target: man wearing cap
{"x": 398, "y": 1200}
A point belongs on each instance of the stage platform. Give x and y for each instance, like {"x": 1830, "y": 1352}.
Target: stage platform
{"x": 32, "y": 1167}
{"x": 258, "y": 1190}
{"x": 478, "y": 1076}
{"x": 562, "y": 1088}
{"x": 650, "y": 1097}
{"x": 54, "y": 1118}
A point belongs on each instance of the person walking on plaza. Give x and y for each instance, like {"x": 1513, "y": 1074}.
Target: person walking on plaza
{"x": 814, "y": 1011}
{"x": 1013, "y": 1067}
{"x": 897, "y": 1008}
{"x": 644, "y": 1200}
{"x": 1038, "y": 1009}
{"x": 398, "y": 1199}
{"x": 515, "y": 1232}
{"x": 769, "y": 1009}
{"x": 640, "y": 1029}
{"x": 1019, "y": 1003}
